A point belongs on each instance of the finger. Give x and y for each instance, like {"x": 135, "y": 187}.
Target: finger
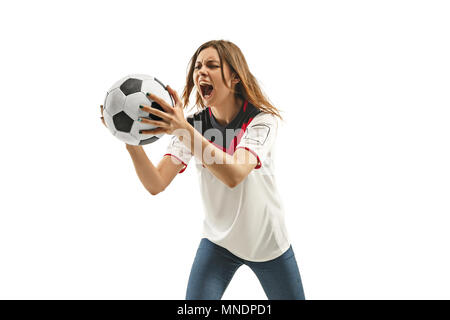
{"x": 174, "y": 94}
{"x": 153, "y": 131}
{"x": 155, "y": 111}
{"x": 160, "y": 124}
{"x": 160, "y": 101}
{"x": 101, "y": 109}
{"x": 103, "y": 121}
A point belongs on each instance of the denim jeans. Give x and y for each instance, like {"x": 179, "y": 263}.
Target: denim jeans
{"x": 214, "y": 267}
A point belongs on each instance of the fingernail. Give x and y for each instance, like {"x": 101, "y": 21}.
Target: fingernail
{"x": 141, "y": 106}
{"x": 139, "y": 119}
{"x": 140, "y": 131}
{"x": 148, "y": 94}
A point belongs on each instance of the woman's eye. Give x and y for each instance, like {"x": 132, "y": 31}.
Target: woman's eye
{"x": 198, "y": 67}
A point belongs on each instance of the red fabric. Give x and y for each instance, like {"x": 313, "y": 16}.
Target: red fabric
{"x": 237, "y": 139}
{"x": 185, "y": 165}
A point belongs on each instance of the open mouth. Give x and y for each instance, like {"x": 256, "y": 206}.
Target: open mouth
{"x": 206, "y": 90}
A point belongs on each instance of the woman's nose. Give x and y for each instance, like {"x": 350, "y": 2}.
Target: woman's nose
{"x": 202, "y": 70}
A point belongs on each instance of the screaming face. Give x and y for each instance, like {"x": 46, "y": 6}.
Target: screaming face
{"x": 208, "y": 79}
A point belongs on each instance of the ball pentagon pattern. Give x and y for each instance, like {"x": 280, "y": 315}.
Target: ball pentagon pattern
{"x": 121, "y": 107}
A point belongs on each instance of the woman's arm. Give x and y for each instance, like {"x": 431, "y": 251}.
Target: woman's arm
{"x": 230, "y": 169}
{"x": 154, "y": 179}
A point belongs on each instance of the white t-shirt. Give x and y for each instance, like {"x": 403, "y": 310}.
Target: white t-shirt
{"x": 247, "y": 220}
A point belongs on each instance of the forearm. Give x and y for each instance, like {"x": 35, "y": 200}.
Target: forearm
{"x": 219, "y": 163}
{"x": 146, "y": 171}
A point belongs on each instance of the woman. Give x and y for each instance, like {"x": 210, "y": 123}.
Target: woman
{"x": 232, "y": 138}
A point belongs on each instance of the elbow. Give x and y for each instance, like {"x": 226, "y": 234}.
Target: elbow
{"x": 232, "y": 186}
{"x": 233, "y": 183}
{"x": 154, "y": 192}
{"x": 233, "y": 180}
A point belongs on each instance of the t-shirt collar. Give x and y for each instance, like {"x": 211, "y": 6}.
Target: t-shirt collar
{"x": 233, "y": 122}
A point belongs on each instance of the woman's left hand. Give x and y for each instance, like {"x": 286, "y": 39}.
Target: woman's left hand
{"x": 173, "y": 117}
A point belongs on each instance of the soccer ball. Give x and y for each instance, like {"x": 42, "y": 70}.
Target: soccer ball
{"x": 121, "y": 108}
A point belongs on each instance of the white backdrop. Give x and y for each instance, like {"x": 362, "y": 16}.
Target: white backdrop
{"x": 362, "y": 158}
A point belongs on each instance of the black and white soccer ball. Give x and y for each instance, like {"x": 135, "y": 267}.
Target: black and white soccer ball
{"x": 121, "y": 108}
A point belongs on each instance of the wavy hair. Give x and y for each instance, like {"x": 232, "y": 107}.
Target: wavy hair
{"x": 247, "y": 88}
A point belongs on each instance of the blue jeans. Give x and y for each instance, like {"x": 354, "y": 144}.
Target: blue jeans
{"x": 214, "y": 267}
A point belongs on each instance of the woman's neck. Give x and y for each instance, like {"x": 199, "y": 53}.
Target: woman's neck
{"x": 227, "y": 111}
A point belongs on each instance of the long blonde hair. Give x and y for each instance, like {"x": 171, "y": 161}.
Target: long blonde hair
{"x": 247, "y": 88}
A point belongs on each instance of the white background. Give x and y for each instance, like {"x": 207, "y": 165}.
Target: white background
{"x": 362, "y": 156}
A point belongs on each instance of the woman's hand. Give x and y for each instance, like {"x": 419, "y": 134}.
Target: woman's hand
{"x": 173, "y": 117}
{"x": 101, "y": 118}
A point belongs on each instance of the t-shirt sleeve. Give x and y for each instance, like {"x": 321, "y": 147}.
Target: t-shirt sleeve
{"x": 179, "y": 151}
{"x": 259, "y": 136}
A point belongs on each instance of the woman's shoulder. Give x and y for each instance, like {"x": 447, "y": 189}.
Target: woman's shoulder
{"x": 263, "y": 117}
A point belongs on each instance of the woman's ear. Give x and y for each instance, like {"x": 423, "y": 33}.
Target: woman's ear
{"x": 236, "y": 79}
